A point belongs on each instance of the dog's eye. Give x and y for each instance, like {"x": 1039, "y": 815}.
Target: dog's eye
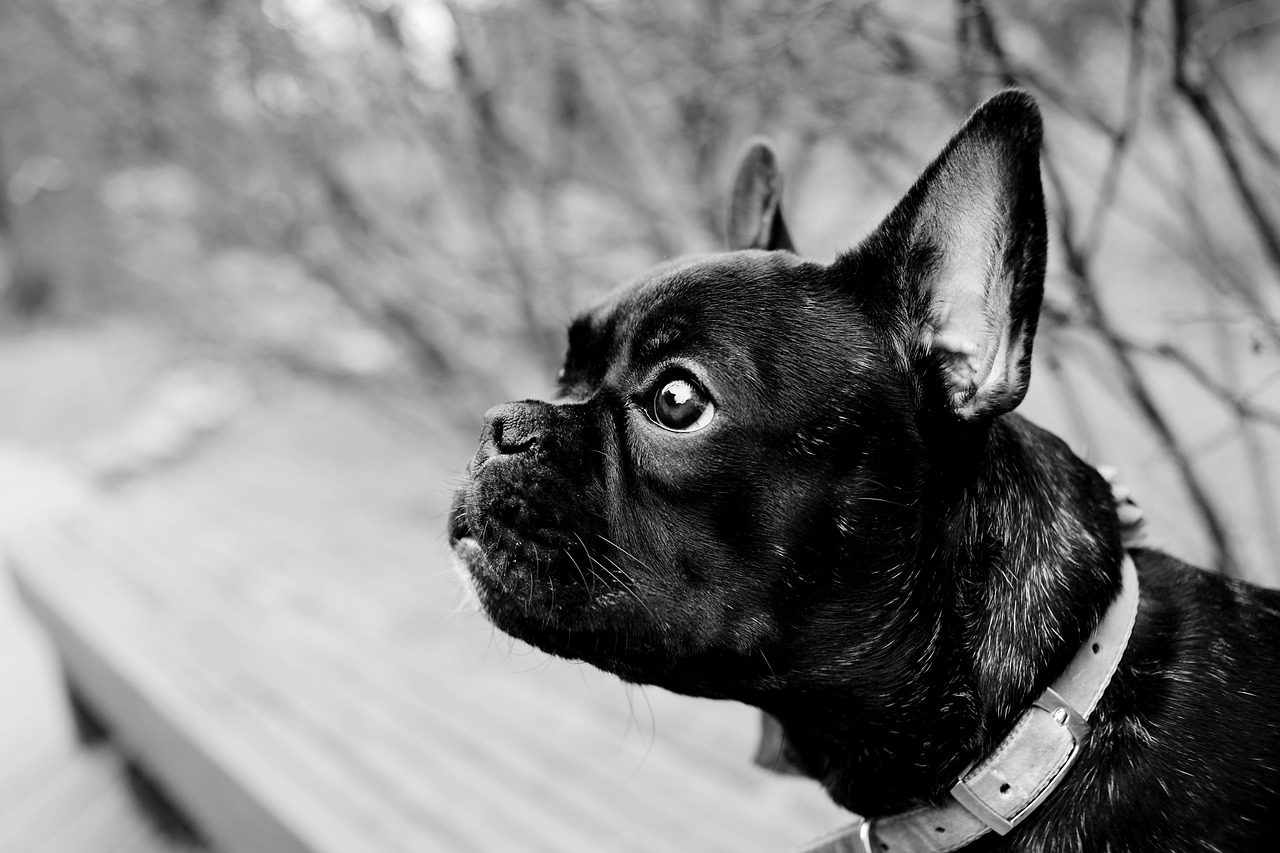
{"x": 682, "y": 406}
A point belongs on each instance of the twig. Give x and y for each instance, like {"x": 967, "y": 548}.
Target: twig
{"x": 1220, "y": 269}
{"x": 1197, "y": 97}
{"x": 1238, "y": 404}
{"x": 1123, "y": 136}
{"x": 1075, "y": 407}
{"x": 1266, "y": 149}
{"x": 1251, "y": 443}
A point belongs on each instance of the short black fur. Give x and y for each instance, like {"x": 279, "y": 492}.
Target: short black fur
{"x": 863, "y": 540}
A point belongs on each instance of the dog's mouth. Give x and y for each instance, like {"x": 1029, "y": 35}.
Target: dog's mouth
{"x": 567, "y": 589}
{"x": 459, "y": 529}
{"x": 506, "y": 566}
{"x": 468, "y": 555}
{"x": 548, "y": 596}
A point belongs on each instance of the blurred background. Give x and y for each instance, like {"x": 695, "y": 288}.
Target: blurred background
{"x": 212, "y": 210}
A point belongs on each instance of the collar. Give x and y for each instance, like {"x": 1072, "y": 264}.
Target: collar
{"x": 999, "y": 793}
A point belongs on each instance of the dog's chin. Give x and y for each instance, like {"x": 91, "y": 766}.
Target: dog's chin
{"x": 563, "y": 619}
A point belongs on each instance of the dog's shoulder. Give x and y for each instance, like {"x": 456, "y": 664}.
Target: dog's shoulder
{"x": 1197, "y": 594}
{"x": 1189, "y": 703}
{"x": 1203, "y": 650}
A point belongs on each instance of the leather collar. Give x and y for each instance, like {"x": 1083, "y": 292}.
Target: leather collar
{"x": 1000, "y": 792}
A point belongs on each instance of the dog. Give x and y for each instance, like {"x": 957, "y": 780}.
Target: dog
{"x": 802, "y": 486}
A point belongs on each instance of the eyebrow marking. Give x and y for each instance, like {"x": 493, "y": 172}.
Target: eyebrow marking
{"x": 654, "y": 345}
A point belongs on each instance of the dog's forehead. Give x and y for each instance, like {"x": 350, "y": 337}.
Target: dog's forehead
{"x": 689, "y": 298}
{"x": 724, "y": 274}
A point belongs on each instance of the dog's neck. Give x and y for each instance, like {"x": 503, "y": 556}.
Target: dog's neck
{"x": 1024, "y": 553}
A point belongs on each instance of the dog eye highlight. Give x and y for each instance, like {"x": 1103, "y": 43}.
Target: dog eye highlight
{"x": 681, "y": 406}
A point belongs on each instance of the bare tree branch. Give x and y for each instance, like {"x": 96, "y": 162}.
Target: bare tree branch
{"x": 1197, "y": 97}
{"x": 1123, "y": 136}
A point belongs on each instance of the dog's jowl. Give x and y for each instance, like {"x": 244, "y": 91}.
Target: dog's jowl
{"x": 801, "y": 486}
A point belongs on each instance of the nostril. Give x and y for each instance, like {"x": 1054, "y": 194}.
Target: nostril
{"x": 511, "y": 429}
{"x": 512, "y": 437}
{"x": 509, "y": 447}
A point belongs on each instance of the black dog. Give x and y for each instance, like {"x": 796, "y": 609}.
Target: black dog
{"x": 799, "y": 485}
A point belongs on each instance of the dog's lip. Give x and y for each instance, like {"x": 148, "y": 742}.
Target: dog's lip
{"x": 468, "y": 553}
{"x": 459, "y": 529}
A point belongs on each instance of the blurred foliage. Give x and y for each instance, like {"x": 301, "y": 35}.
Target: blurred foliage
{"x": 438, "y": 182}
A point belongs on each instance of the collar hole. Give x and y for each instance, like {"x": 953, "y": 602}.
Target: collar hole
{"x": 1096, "y": 648}
{"x": 1004, "y": 789}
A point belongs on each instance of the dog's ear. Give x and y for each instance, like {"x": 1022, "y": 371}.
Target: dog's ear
{"x": 755, "y": 209}
{"x": 961, "y": 260}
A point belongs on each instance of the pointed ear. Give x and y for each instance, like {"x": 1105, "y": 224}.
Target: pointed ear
{"x": 964, "y": 253}
{"x": 755, "y": 209}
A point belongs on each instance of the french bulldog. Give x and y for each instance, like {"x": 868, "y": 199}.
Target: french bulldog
{"x": 802, "y": 486}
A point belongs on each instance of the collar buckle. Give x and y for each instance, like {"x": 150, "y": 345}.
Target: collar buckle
{"x": 1052, "y": 703}
{"x": 1001, "y": 792}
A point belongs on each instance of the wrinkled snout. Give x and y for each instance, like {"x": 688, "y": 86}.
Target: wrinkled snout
{"x": 511, "y": 429}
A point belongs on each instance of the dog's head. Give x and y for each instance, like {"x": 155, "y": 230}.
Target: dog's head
{"x": 730, "y": 494}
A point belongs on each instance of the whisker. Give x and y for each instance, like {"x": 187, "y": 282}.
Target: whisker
{"x": 653, "y": 722}
{"x": 641, "y": 563}
{"x": 581, "y": 574}
{"x": 591, "y": 562}
{"x": 627, "y": 583}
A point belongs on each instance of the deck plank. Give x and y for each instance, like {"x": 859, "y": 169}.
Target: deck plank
{"x": 56, "y": 794}
{"x": 363, "y": 741}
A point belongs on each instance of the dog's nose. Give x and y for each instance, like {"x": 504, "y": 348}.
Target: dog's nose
{"x": 512, "y": 428}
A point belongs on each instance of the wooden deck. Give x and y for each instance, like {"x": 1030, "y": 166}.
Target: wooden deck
{"x": 57, "y": 794}
{"x": 271, "y": 631}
